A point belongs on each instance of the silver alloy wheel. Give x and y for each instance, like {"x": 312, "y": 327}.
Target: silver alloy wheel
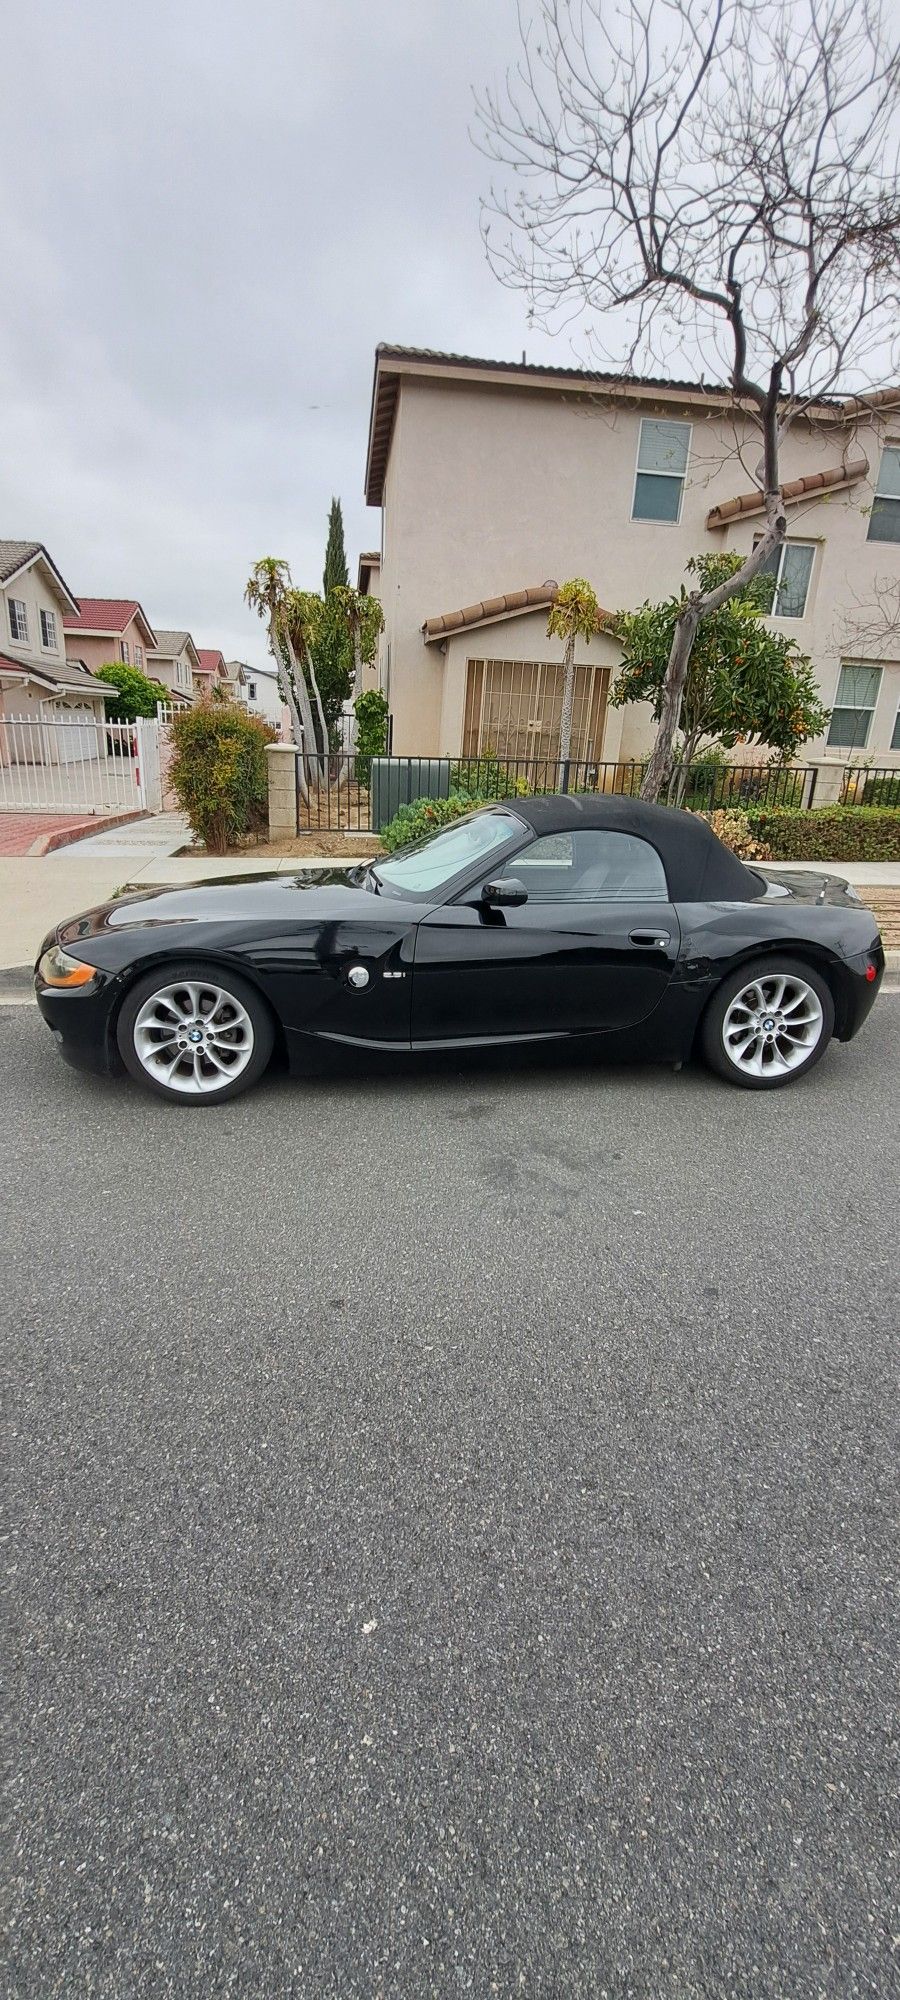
{"x": 193, "y": 1037}
{"x": 773, "y": 1025}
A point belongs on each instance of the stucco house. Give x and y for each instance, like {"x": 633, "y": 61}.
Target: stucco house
{"x": 257, "y": 688}
{"x": 36, "y": 678}
{"x": 108, "y": 629}
{"x": 174, "y": 662}
{"x": 211, "y": 673}
{"x": 497, "y": 480}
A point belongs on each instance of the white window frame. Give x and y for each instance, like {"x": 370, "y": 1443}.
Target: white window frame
{"x": 251, "y": 690}
{"x": 139, "y": 656}
{"x": 641, "y": 520}
{"x": 892, "y": 445}
{"x": 48, "y": 645}
{"x": 851, "y": 749}
{"x": 124, "y": 650}
{"x": 792, "y": 542}
{"x": 17, "y": 638}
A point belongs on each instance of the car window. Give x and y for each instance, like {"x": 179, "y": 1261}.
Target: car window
{"x": 591, "y": 865}
{"x": 443, "y": 855}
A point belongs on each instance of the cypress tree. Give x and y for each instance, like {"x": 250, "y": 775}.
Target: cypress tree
{"x": 336, "y": 571}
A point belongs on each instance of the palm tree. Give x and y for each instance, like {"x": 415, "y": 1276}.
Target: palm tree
{"x": 574, "y": 614}
{"x": 267, "y": 585}
{"x": 302, "y": 617}
{"x": 364, "y": 620}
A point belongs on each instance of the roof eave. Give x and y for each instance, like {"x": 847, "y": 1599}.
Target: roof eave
{"x": 39, "y": 555}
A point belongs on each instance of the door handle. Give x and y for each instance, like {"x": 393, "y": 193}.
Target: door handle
{"x": 659, "y": 938}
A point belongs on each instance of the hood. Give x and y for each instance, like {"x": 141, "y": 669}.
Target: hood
{"x": 313, "y": 894}
{"x": 805, "y": 886}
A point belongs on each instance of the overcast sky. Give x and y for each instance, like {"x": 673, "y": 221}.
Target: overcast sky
{"x": 213, "y": 211}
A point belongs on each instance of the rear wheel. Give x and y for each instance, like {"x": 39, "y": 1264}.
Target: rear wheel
{"x": 195, "y": 1033}
{"x": 768, "y": 1024}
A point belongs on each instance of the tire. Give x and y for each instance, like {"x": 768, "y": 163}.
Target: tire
{"x": 236, "y": 1050}
{"x": 740, "y": 1047}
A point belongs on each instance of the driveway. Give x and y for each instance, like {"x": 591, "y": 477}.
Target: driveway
{"x": 455, "y": 1532}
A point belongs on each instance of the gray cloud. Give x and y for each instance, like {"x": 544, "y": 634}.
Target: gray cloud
{"x": 215, "y": 210}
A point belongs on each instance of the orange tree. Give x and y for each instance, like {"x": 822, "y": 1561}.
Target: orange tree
{"x": 744, "y": 682}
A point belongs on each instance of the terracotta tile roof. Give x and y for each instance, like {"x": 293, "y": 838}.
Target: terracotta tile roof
{"x": 830, "y": 480}
{"x": 535, "y": 597}
{"x": 110, "y": 614}
{"x": 211, "y": 661}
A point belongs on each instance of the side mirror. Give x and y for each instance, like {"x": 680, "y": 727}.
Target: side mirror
{"x": 507, "y": 893}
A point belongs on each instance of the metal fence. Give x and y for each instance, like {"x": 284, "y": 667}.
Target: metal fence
{"x": 57, "y": 764}
{"x": 871, "y": 786}
{"x": 354, "y": 794}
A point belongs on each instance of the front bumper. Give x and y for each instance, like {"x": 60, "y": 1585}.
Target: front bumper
{"x": 81, "y": 1023}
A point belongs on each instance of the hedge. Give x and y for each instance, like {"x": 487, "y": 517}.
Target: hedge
{"x": 828, "y": 833}
{"x": 422, "y": 816}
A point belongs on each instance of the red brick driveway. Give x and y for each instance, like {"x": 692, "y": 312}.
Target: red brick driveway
{"x": 40, "y": 832}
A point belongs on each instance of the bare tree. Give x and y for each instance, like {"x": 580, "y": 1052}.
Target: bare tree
{"x": 717, "y": 182}
{"x": 872, "y": 625}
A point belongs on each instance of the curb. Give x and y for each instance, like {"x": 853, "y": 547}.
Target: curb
{"x": 66, "y": 836}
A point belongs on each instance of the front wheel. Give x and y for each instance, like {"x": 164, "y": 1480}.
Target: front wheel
{"x": 195, "y": 1033}
{"x": 768, "y": 1023}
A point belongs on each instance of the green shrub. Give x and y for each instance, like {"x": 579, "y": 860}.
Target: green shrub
{"x": 423, "y": 816}
{"x": 133, "y": 693}
{"x": 828, "y": 833}
{"x": 880, "y": 791}
{"x": 733, "y": 828}
{"x": 487, "y": 777}
{"x": 219, "y": 772}
{"x": 371, "y": 711}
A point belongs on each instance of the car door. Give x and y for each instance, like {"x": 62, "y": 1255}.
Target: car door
{"x": 593, "y": 948}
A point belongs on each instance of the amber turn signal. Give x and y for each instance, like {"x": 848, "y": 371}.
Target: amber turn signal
{"x": 56, "y": 968}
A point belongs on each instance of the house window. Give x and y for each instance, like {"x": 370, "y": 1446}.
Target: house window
{"x": 124, "y": 650}
{"x": 251, "y": 690}
{"x": 18, "y": 620}
{"x": 884, "y": 520}
{"x": 514, "y": 708}
{"x": 895, "y": 739}
{"x": 854, "y": 707}
{"x": 138, "y": 655}
{"x": 48, "y": 631}
{"x": 661, "y": 467}
{"x": 790, "y": 567}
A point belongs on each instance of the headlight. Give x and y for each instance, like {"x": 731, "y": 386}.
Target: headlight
{"x": 56, "y": 968}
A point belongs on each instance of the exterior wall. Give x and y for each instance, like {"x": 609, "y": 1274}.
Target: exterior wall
{"x": 31, "y": 704}
{"x": 163, "y": 667}
{"x": 32, "y": 591}
{"x": 268, "y": 701}
{"x": 101, "y": 652}
{"x": 522, "y": 638}
{"x": 491, "y": 488}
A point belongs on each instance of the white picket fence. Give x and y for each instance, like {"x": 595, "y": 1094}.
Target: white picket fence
{"x": 56, "y": 764}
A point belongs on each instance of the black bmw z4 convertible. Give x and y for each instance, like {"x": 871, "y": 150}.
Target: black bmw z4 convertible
{"x": 601, "y": 924}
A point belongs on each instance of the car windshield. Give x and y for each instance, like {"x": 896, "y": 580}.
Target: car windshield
{"x": 436, "y": 860}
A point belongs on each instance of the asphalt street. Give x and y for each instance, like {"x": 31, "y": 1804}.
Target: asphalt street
{"x": 454, "y": 1533}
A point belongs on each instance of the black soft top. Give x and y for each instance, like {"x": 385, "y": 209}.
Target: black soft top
{"x": 699, "y": 869}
